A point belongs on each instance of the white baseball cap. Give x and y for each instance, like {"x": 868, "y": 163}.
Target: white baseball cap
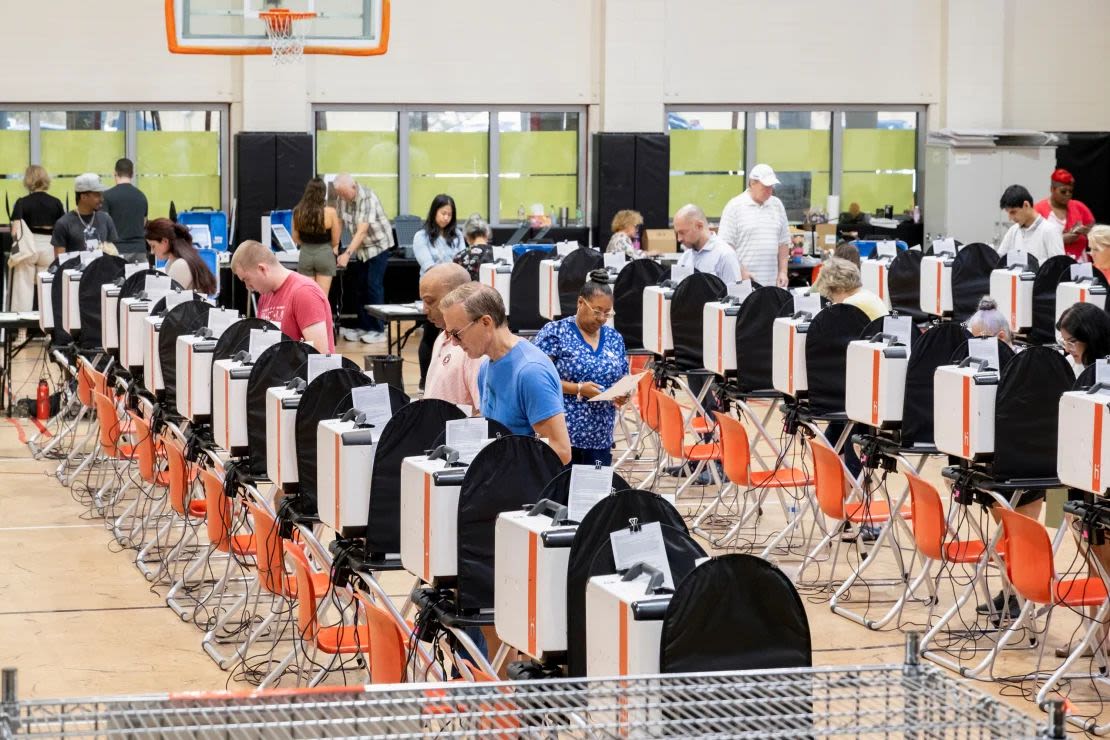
{"x": 764, "y": 174}
{"x": 88, "y": 183}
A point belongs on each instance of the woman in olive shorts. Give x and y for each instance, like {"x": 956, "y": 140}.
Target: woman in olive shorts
{"x": 316, "y": 230}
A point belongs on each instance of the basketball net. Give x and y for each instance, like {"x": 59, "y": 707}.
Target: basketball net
{"x": 286, "y": 32}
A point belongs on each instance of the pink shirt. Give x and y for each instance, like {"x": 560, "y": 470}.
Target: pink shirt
{"x": 297, "y": 303}
{"x": 452, "y": 376}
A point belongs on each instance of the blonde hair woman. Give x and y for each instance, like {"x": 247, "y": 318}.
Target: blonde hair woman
{"x": 33, "y": 218}
{"x": 624, "y": 226}
{"x": 839, "y": 281}
{"x": 1098, "y": 241}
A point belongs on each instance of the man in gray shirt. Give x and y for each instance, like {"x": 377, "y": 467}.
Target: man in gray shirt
{"x": 127, "y": 206}
{"x": 86, "y": 226}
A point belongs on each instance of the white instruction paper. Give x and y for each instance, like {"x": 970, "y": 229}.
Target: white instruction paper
{"x": 615, "y": 260}
{"x": 157, "y": 284}
{"x": 900, "y": 327}
{"x": 176, "y": 298}
{"x": 372, "y": 401}
{"x": 809, "y": 303}
{"x": 467, "y": 437}
{"x": 89, "y": 255}
{"x": 645, "y": 546}
{"x": 984, "y": 348}
{"x": 202, "y": 235}
{"x": 1082, "y": 270}
{"x": 153, "y": 297}
{"x": 221, "y": 318}
{"x": 261, "y": 340}
{"x": 680, "y": 273}
{"x": 588, "y": 485}
{"x": 562, "y": 249}
{"x": 131, "y": 268}
{"x": 886, "y": 248}
{"x": 318, "y": 364}
{"x": 621, "y": 388}
{"x": 1102, "y": 374}
{"x": 503, "y": 254}
{"x": 740, "y": 290}
{"x": 944, "y": 246}
{"x": 1016, "y": 258}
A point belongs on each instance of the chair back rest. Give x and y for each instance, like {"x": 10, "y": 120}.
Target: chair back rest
{"x": 387, "y": 658}
{"x": 108, "y": 417}
{"x": 84, "y": 382}
{"x": 178, "y": 469}
{"x": 670, "y": 424}
{"x": 649, "y": 409}
{"x": 98, "y": 380}
{"x": 218, "y": 519}
{"x": 271, "y": 554}
{"x": 927, "y": 515}
{"x": 144, "y": 447}
{"x": 829, "y": 481}
{"x": 307, "y": 626}
{"x": 735, "y": 449}
{"x": 1028, "y": 557}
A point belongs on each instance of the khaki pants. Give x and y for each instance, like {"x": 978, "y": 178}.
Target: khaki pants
{"x": 25, "y": 273}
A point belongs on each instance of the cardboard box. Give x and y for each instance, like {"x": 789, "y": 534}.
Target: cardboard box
{"x": 660, "y": 240}
{"x": 826, "y": 236}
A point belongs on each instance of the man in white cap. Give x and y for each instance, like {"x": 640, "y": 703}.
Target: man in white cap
{"x": 754, "y": 224}
{"x": 86, "y": 226}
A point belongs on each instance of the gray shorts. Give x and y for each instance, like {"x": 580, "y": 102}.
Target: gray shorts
{"x": 316, "y": 259}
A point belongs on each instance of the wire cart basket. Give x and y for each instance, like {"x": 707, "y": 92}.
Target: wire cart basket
{"x": 910, "y": 701}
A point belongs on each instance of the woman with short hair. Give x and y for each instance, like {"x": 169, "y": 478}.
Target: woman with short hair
{"x": 625, "y": 227}
{"x": 839, "y": 282}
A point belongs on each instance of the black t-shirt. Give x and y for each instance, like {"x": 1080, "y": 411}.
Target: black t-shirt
{"x": 127, "y": 206}
{"x": 72, "y": 230}
{"x": 40, "y": 210}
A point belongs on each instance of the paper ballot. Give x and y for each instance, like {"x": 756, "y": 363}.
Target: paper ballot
{"x": 318, "y": 364}
{"x": 985, "y": 349}
{"x": 131, "y": 268}
{"x": 261, "y": 340}
{"x": 614, "y": 260}
{"x": 176, "y": 298}
{"x": 372, "y": 401}
{"x": 680, "y": 273}
{"x": 809, "y": 303}
{"x": 588, "y": 485}
{"x": 886, "y": 248}
{"x": 1102, "y": 374}
{"x": 467, "y": 437}
{"x": 621, "y": 388}
{"x": 157, "y": 284}
{"x": 740, "y": 290}
{"x": 1016, "y": 258}
{"x": 900, "y": 327}
{"x": 645, "y": 546}
{"x": 221, "y": 318}
{"x": 1082, "y": 270}
{"x": 944, "y": 246}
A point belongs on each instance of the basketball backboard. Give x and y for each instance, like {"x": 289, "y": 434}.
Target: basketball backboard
{"x": 345, "y": 27}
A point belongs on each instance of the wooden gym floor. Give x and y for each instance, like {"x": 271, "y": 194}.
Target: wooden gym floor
{"x": 78, "y": 619}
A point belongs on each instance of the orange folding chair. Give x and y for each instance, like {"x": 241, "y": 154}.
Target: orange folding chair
{"x": 146, "y": 457}
{"x": 672, "y": 433}
{"x": 184, "y": 513}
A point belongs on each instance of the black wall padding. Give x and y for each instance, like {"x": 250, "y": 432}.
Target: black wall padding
{"x": 830, "y": 333}
{"x": 558, "y": 488}
{"x": 293, "y": 167}
{"x": 505, "y": 475}
{"x": 688, "y": 316}
{"x": 754, "y": 329}
{"x": 903, "y": 280}
{"x": 524, "y": 291}
{"x": 1087, "y": 156}
{"x": 64, "y": 262}
{"x": 971, "y": 278}
{"x": 628, "y": 299}
{"x": 410, "y": 432}
{"x": 613, "y": 181}
{"x": 182, "y": 319}
{"x": 573, "y": 272}
{"x": 255, "y": 183}
{"x": 653, "y": 183}
{"x": 276, "y": 366}
{"x": 104, "y": 269}
{"x": 1026, "y": 414}
{"x": 928, "y": 351}
{"x": 735, "y": 612}
{"x": 591, "y": 554}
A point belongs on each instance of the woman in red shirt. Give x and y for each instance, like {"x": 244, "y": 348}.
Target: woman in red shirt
{"x": 1072, "y": 216}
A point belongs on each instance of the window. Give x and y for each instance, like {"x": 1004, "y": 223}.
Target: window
{"x": 364, "y": 144}
{"x": 15, "y": 153}
{"x": 796, "y": 145}
{"x": 538, "y": 163}
{"x": 707, "y": 159}
{"x": 177, "y": 155}
{"x": 75, "y": 142}
{"x": 880, "y": 155}
{"x": 449, "y": 153}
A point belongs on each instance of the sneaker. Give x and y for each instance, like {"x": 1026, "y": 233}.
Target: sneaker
{"x": 351, "y": 335}
{"x": 372, "y": 337}
{"x": 985, "y": 608}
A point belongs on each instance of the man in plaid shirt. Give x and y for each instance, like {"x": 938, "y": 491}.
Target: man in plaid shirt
{"x": 371, "y": 239}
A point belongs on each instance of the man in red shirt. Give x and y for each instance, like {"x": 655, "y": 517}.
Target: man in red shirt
{"x": 1072, "y": 216}
{"x": 294, "y": 302}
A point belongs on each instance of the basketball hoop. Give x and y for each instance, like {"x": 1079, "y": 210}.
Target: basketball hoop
{"x": 286, "y": 33}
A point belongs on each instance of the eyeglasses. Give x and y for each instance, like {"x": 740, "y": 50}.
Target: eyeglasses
{"x": 1069, "y": 343}
{"x": 454, "y": 335}
{"x": 599, "y": 314}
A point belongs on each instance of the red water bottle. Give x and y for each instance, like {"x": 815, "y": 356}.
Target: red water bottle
{"x": 42, "y": 401}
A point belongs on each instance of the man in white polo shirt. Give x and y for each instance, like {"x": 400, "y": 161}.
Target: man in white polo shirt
{"x": 704, "y": 251}
{"x": 754, "y": 224}
{"x": 1031, "y": 232}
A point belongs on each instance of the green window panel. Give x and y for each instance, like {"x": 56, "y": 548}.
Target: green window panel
{"x": 793, "y": 150}
{"x": 77, "y": 152}
{"x": 471, "y": 194}
{"x": 178, "y": 152}
{"x": 186, "y": 191}
{"x": 879, "y": 149}
{"x": 873, "y": 191}
{"x": 13, "y": 190}
{"x": 711, "y": 192}
{"x": 436, "y": 152}
{"x": 707, "y": 151}
{"x": 539, "y": 152}
{"x": 357, "y": 151}
{"x": 15, "y": 152}
{"x": 558, "y": 191}
{"x": 385, "y": 187}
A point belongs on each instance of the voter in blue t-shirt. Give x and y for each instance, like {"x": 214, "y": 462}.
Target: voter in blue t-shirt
{"x": 519, "y": 386}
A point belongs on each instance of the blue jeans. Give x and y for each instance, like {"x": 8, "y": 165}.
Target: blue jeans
{"x": 375, "y": 291}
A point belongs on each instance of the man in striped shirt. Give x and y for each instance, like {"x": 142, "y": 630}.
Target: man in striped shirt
{"x": 754, "y": 224}
{"x": 371, "y": 239}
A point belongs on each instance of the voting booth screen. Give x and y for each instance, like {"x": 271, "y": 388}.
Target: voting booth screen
{"x": 104, "y": 269}
{"x": 591, "y": 554}
{"x": 182, "y": 319}
{"x": 573, "y": 271}
{"x": 628, "y": 299}
{"x": 903, "y": 282}
{"x": 830, "y": 332}
{"x": 1027, "y": 413}
{"x": 735, "y": 612}
{"x": 688, "y": 315}
{"x": 524, "y": 291}
{"x": 505, "y": 475}
{"x": 277, "y": 365}
{"x": 971, "y": 278}
{"x": 928, "y": 351}
{"x": 411, "y": 432}
{"x": 754, "y": 322}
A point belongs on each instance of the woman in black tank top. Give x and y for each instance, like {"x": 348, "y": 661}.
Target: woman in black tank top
{"x": 316, "y": 230}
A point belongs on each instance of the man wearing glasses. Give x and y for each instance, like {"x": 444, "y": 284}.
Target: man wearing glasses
{"x": 519, "y": 386}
